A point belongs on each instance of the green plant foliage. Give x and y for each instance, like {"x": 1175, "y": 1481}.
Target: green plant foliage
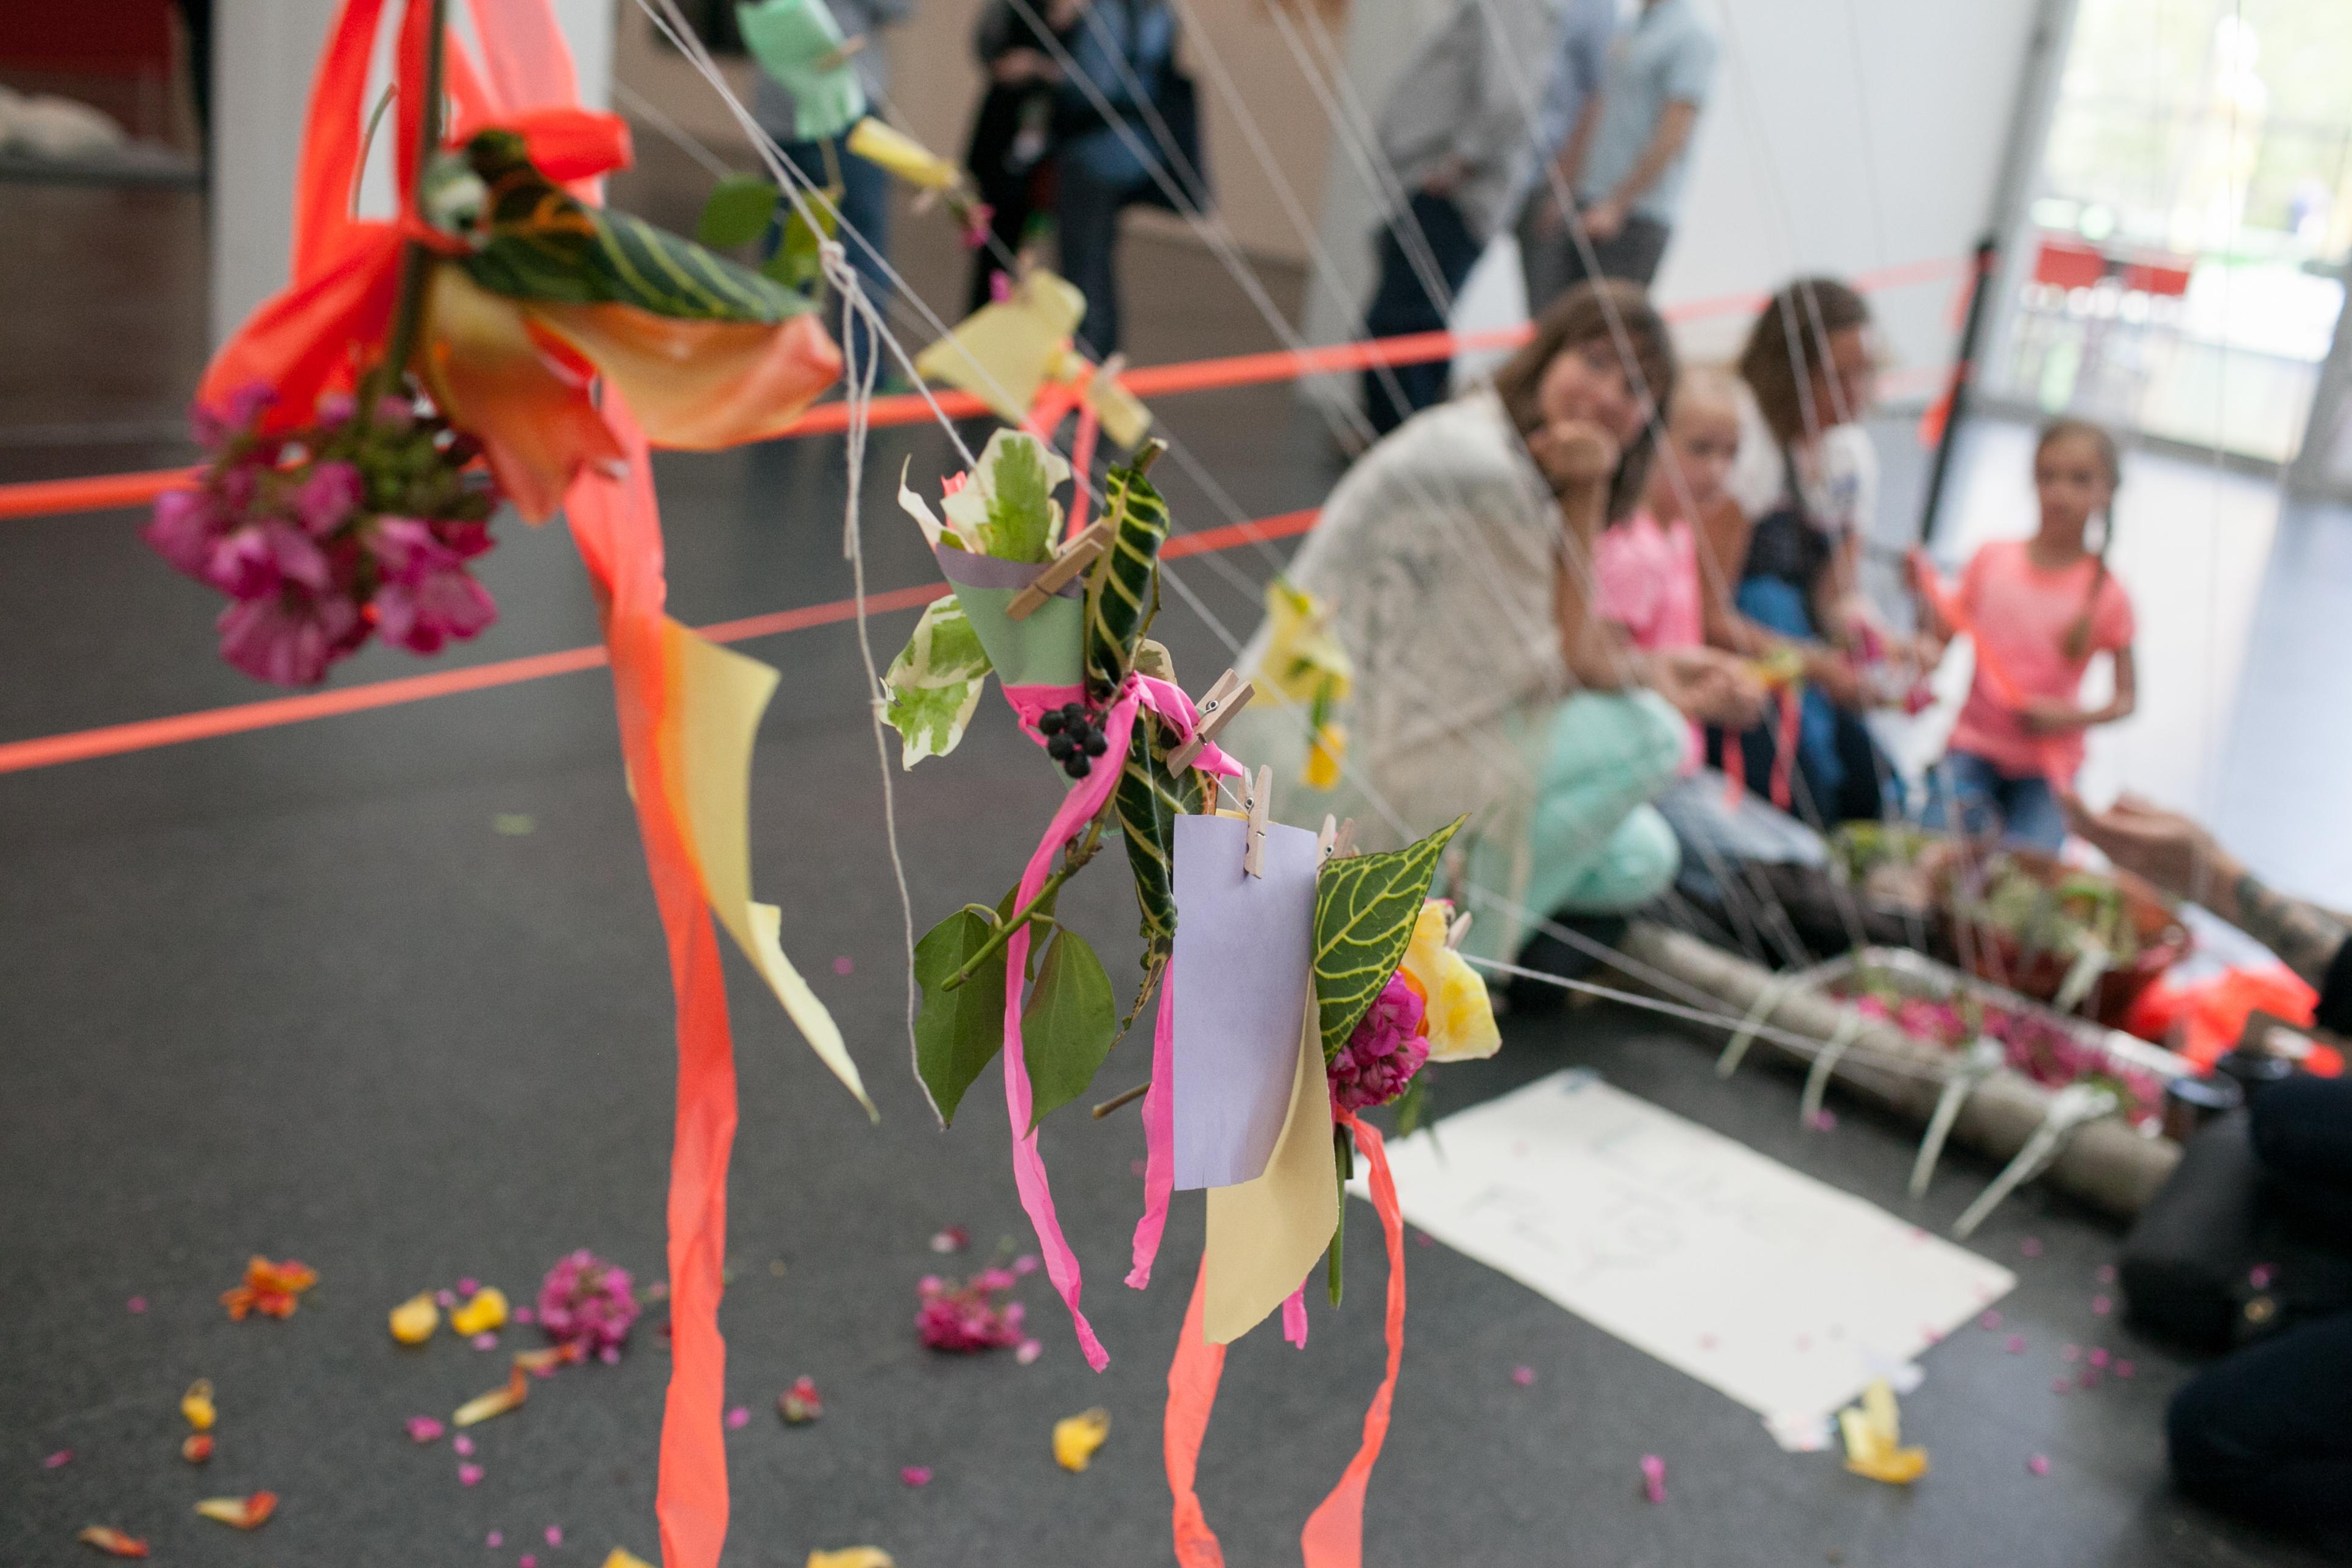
{"x": 1070, "y": 1024}
{"x": 737, "y": 212}
{"x": 1365, "y": 907}
{"x": 957, "y": 1032}
{"x": 1123, "y": 590}
{"x": 799, "y": 263}
{"x": 935, "y": 682}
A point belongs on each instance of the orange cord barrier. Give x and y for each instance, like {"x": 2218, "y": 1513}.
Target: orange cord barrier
{"x": 106, "y": 492}
{"x": 147, "y": 734}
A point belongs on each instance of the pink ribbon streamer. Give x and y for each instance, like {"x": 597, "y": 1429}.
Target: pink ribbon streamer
{"x": 1139, "y": 693}
{"x": 1294, "y": 1317}
{"x": 1159, "y": 1137}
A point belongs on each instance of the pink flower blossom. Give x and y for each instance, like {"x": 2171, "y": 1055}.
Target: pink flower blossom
{"x": 1525, "y": 1376}
{"x": 587, "y": 1301}
{"x": 326, "y": 498}
{"x": 405, "y": 549}
{"x": 425, "y": 1429}
{"x": 738, "y": 1417}
{"x": 185, "y": 524}
{"x": 967, "y": 1319}
{"x": 2038, "y": 1465}
{"x": 439, "y": 606}
{"x": 289, "y": 637}
{"x": 216, "y": 427}
{"x": 260, "y": 558}
{"x": 1028, "y": 1351}
{"x": 916, "y": 1475}
{"x": 1383, "y": 1052}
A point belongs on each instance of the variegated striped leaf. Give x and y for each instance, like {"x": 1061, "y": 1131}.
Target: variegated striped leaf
{"x": 539, "y": 242}
{"x": 1149, "y": 801}
{"x": 1365, "y": 907}
{"x": 1123, "y": 592}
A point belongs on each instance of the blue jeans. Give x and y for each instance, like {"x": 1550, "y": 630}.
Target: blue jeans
{"x": 2023, "y": 810}
{"x": 1086, "y": 218}
{"x": 864, "y": 204}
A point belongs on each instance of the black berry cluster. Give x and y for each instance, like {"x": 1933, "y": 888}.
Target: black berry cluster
{"x": 1071, "y": 738}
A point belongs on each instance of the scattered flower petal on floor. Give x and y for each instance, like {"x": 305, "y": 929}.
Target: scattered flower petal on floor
{"x": 468, "y": 1285}
{"x": 915, "y": 1475}
{"x": 112, "y": 1542}
{"x": 1989, "y": 1322}
{"x": 524, "y": 1315}
{"x": 2102, "y": 1305}
{"x": 136, "y": 1304}
{"x": 2031, "y": 1246}
{"x": 586, "y": 1301}
{"x": 2105, "y": 1274}
{"x": 1423, "y": 1238}
{"x": 968, "y": 1319}
{"x": 847, "y": 1557}
{"x": 244, "y": 1512}
{"x": 2098, "y": 1356}
{"x": 2090, "y": 1378}
{"x": 461, "y": 1444}
{"x": 498, "y": 1538}
{"x": 1028, "y": 1351}
{"x": 1075, "y": 1439}
{"x": 2039, "y": 1465}
{"x": 445, "y": 1297}
{"x": 1824, "y": 1120}
{"x": 738, "y": 1417}
{"x": 484, "y": 1311}
{"x": 57, "y": 1460}
{"x": 1653, "y": 1477}
{"x": 425, "y": 1429}
{"x": 623, "y": 1557}
{"x": 485, "y": 1341}
{"x": 497, "y": 1402}
{"x": 555, "y": 1536}
{"x": 1026, "y": 1264}
{"x": 2122, "y": 1369}
{"x": 954, "y": 1238}
{"x": 469, "y": 1475}
{"x": 845, "y": 965}
{"x": 270, "y": 1289}
{"x": 2061, "y": 1385}
{"x": 2070, "y": 1355}
{"x": 528, "y": 1561}
{"x": 2261, "y": 1275}
{"x": 801, "y": 1404}
{"x": 2016, "y": 1344}
{"x": 414, "y": 1321}
{"x": 197, "y": 1447}
{"x": 197, "y": 1405}
{"x": 1525, "y": 1376}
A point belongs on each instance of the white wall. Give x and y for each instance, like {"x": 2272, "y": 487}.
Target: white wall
{"x": 264, "y": 53}
{"x": 1814, "y": 155}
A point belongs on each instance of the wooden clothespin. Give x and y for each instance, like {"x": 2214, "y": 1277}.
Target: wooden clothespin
{"x": 1260, "y": 802}
{"x": 1079, "y": 554}
{"x": 834, "y": 59}
{"x": 1228, "y": 696}
{"x": 1344, "y": 845}
{"x": 1325, "y": 839}
{"x": 1458, "y": 930}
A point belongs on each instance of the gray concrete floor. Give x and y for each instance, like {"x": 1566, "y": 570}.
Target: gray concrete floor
{"x": 290, "y": 992}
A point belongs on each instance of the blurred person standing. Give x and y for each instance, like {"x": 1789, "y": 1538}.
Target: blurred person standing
{"x": 1449, "y": 134}
{"x": 1625, "y": 161}
{"x": 1010, "y": 154}
{"x": 865, "y": 189}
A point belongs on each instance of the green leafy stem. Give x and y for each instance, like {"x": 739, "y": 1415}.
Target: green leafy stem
{"x": 1073, "y": 862}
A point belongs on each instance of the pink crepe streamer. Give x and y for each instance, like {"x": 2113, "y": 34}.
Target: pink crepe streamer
{"x": 1030, "y": 702}
{"x": 1158, "y": 1139}
{"x": 1653, "y": 1477}
{"x": 1294, "y": 1317}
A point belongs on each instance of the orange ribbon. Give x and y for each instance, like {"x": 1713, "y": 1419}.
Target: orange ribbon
{"x": 1334, "y": 1536}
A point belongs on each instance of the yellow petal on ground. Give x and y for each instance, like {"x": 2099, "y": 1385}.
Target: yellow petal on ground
{"x": 1264, "y": 1236}
{"x": 197, "y": 1405}
{"x": 1003, "y": 353}
{"x": 715, "y": 698}
{"x": 497, "y": 1402}
{"x": 847, "y": 1557}
{"x": 623, "y": 1557}
{"x": 1873, "y": 1436}
{"x": 902, "y": 155}
{"x": 244, "y": 1512}
{"x": 484, "y": 1311}
{"x": 699, "y": 385}
{"x": 414, "y": 1321}
{"x": 1076, "y": 1438}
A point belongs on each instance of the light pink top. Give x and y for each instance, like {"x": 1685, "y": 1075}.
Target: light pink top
{"x": 2022, "y": 614}
{"x": 1646, "y": 580}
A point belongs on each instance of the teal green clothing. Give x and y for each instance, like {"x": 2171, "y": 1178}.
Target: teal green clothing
{"x": 1596, "y": 846}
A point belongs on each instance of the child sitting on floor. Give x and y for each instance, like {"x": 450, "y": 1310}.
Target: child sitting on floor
{"x": 2039, "y": 609}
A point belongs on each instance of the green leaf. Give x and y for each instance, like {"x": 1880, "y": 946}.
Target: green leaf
{"x": 1365, "y": 907}
{"x": 1123, "y": 590}
{"x": 1069, "y": 1026}
{"x": 960, "y": 1031}
{"x": 1020, "y": 511}
{"x": 737, "y": 212}
{"x": 935, "y": 682}
{"x": 798, "y": 262}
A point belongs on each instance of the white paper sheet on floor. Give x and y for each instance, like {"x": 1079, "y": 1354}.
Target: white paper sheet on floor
{"x": 1775, "y": 1289}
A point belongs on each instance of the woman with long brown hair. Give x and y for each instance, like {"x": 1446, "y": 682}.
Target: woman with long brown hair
{"x": 1454, "y": 562}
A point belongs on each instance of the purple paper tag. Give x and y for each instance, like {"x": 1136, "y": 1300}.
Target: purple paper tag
{"x": 1241, "y": 971}
{"x": 966, "y": 570}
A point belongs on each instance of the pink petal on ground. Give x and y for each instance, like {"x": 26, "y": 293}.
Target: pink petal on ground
{"x": 916, "y": 1475}
{"x": 843, "y": 965}
{"x": 2106, "y": 1274}
{"x": 2061, "y": 1385}
{"x": 2039, "y": 1465}
{"x": 463, "y": 1444}
{"x": 445, "y": 1297}
{"x": 1026, "y": 1264}
{"x": 498, "y": 1538}
{"x": 2070, "y": 1355}
{"x": 1525, "y": 1376}
{"x": 2098, "y": 1356}
{"x": 555, "y": 1536}
{"x": 2016, "y": 1345}
{"x": 1989, "y": 1322}
{"x": 136, "y": 1304}
{"x": 1653, "y": 1477}
{"x": 2102, "y": 1305}
{"x": 1028, "y": 1351}
{"x": 57, "y": 1460}
{"x": 739, "y": 1418}
{"x": 524, "y": 1314}
{"x": 468, "y": 1285}
{"x": 527, "y": 1561}
{"x": 2122, "y": 1369}
{"x": 2030, "y": 1247}
{"x": 425, "y": 1430}
{"x": 469, "y": 1475}
{"x": 485, "y": 1341}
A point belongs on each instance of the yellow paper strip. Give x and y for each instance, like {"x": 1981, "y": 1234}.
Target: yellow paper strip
{"x": 715, "y": 701}
{"x": 1264, "y": 1236}
{"x": 1003, "y": 353}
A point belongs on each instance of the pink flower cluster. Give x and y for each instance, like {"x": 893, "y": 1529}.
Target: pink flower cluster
{"x": 587, "y": 1301}
{"x": 1385, "y": 1050}
{"x": 324, "y": 536}
{"x": 968, "y": 1319}
{"x": 2035, "y": 1047}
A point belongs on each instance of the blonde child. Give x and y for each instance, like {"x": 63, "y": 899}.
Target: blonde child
{"x": 2040, "y": 609}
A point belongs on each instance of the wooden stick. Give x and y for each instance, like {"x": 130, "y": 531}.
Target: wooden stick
{"x": 1128, "y": 1097}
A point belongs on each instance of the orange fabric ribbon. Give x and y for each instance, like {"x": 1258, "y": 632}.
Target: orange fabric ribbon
{"x": 1334, "y": 1536}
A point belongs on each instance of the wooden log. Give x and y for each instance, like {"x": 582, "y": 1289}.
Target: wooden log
{"x": 2107, "y": 1164}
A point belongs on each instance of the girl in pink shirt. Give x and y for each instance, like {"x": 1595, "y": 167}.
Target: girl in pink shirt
{"x": 2039, "y": 609}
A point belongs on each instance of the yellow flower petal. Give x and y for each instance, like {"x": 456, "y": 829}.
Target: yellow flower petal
{"x": 847, "y": 1557}
{"x": 414, "y": 1321}
{"x": 497, "y": 1402}
{"x": 623, "y": 1557}
{"x": 1874, "y": 1433}
{"x": 1328, "y": 750}
{"x": 1076, "y": 1438}
{"x": 245, "y": 1512}
{"x": 485, "y": 1311}
{"x": 1302, "y": 659}
{"x": 197, "y": 1405}
{"x": 1461, "y": 1016}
